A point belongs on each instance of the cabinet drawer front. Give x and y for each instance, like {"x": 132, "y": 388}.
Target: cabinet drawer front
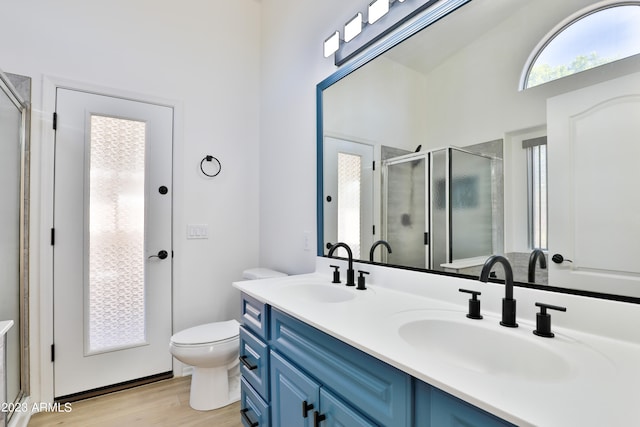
{"x": 254, "y": 316}
{"x": 254, "y": 358}
{"x": 373, "y": 387}
{"x": 252, "y": 408}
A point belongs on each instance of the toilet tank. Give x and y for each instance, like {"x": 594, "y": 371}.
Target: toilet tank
{"x": 261, "y": 273}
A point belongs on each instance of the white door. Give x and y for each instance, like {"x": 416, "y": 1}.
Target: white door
{"x": 348, "y": 195}
{"x": 594, "y": 208}
{"x": 112, "y": 218}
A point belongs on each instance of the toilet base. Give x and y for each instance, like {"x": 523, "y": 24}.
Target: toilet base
{"x": 213, "y": 388}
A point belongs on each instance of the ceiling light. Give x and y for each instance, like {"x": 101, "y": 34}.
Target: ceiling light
{"x": 353, "y": 27}
{"x": 332, "y": 44}
{"x": 377, "y": 9}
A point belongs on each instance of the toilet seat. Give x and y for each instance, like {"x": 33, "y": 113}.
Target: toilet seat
{"x": 207, "y": 334}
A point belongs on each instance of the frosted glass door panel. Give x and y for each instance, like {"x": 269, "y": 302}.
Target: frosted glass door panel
{"x": 116, "y": 285}
{"x": 406, "y": 217}
{"x": 349, "y": 183}
{"x": 471, "y": 208}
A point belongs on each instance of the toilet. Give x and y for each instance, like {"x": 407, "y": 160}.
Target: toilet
{"x": 212, "y": 350}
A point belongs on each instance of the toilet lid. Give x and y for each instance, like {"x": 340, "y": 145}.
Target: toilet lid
{"x": 207, "y": 333}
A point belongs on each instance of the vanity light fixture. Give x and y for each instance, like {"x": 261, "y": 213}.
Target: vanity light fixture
{"x": 397, "y": 14}
{"x": 377, "y": 9}
{"x": 332, "y": 44}
{"x": 353, "y": 27}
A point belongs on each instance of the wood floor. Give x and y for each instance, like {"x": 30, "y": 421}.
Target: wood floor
{"x": 164, "y": 403}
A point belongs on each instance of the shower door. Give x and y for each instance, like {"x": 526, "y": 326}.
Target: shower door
{"x": 471, "y": 214}
{"x": 13, "y": 220}
{"x": 112, "y": 241}
{"x": 406, "y": 225}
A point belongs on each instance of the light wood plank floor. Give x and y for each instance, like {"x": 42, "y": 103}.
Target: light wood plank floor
{"x": 164, "y": 403}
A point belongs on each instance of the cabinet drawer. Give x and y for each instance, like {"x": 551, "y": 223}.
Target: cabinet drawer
{"x": 373, "y": 387}
{"x": 254, "y": 358}
{"x": 252, "y": 408}
{"x": 254, "y": 316}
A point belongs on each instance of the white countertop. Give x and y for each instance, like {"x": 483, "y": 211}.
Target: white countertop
{"x": 600, "y": 388}
{"x": 5, "y": 325}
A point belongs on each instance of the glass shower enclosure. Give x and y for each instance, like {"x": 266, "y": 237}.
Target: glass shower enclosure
{"x": 439, "y": 206}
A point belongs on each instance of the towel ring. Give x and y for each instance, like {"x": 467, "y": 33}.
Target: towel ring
{"x": 209, "y": 158}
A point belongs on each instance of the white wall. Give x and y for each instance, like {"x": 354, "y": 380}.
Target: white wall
{"x": 201, "y": 55}
{"x": 293, "y": 32}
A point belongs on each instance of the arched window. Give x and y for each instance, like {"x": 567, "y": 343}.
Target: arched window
{"x": 596, "y": 37}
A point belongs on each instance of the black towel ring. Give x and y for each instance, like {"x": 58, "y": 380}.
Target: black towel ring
{"x": 209, "y": 158}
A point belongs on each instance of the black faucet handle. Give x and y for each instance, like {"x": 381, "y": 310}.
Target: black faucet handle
{"x": 543, "y": 320}
{"x": 474, "y": 304}
{"x": 336, "y": 273}
{"x": 361, "y": 280}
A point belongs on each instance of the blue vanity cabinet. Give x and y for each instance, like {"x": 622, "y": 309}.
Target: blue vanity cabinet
{"x": 433, "y": 408}
{"x": 353, "y": 385}
{"x": 300, "y": 401}
{"x": 254, "y": 366}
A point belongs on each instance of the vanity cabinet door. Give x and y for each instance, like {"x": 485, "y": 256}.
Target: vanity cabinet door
{"x": 254, "y": 358}
{"x": 298, "y": 400}
{"x": 295, "y": 396}
{"x": 434, "y": 408}
{"x": 339, "y": 414}
{"x": 254, "y": 411}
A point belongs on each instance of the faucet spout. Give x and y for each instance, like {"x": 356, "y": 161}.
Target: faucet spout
{"x": 537, "y": 254}
{"x": 350, "y": 272}
{"x": 376, "y": 244}
{"x": 508, "y": 303}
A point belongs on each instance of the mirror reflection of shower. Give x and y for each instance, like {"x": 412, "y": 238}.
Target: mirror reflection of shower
{"x": 443, "y": 206}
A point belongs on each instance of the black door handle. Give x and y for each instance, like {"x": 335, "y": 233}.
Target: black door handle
{"x": 559, "y": 259}
{"x": 162, "y": 255}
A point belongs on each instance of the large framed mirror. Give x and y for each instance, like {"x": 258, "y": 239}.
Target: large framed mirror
{"x": 458, "y": 148}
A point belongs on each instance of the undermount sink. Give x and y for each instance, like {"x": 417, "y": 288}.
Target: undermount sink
{"x": 484, "y": 347}
{"x": 325, "y": 293}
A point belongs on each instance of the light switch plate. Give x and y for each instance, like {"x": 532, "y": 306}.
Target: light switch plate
{"x": 197, "y": 231}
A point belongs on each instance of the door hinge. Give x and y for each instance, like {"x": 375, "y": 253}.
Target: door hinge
{"x": 374, "y": 230}
{"x": 426, "y": 238}
{"x": 55, "y": 121}
{"x": 374, "y": 165}
{"x": 53, "y": 236}
{"x": 53, "y": 352}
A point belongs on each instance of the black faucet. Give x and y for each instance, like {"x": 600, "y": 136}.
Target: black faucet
{"x": 350, "y": 272}
{"x": 508, "y": 303}
{"x": 376, "y": 244}
{"x": 537, "y": 253}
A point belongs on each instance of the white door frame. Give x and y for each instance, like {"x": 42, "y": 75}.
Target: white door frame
{"x": 41, "y": 293}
